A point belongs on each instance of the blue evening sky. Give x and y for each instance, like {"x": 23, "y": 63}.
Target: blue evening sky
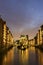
{"x": 22, "y": 16}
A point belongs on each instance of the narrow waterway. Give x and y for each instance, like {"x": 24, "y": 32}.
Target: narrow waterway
{"x": 30, "y": 56}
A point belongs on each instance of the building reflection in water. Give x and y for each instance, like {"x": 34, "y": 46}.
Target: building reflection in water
{"x": 40, "y": 58}
{"x": 33, "y": 56}
{"x": 29, "y": 56}
{"x": 24, "y": 57}
{"x": 1, "y": 58}
{"x": 8, "y": 58}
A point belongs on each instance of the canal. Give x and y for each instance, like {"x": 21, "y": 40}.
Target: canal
{"x": 30, "y": 56}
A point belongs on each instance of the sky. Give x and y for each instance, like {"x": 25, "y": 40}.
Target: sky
{"x": 22, "y": 16}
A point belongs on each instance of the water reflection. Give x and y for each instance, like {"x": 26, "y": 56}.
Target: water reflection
{"x": 1, "y": 58}
{"x": 7, "y": 58}
{"x": 24, "y": 57}
{"x": 33, "y": 58}
{"x": 41, "y": 58}
{"x": 30, "y": 56}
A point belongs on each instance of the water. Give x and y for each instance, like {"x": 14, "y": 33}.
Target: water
{"x": 30, "y": 56}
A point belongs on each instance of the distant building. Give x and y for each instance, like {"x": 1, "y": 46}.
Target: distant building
{"x": 24, "y": 40}
{"x": 31, "y": 42}
{"x": 39, "y": 36}
{"x": 17, "y": 41}
{"x": 35, "y": 39}
{"x": 38, "y": 39}
{"x": 27, "y": 37}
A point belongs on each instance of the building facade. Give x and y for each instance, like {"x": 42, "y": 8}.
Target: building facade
{"x": 31, "y": 42}
{"x": 39, "y": 36}
{"x": 38, "y": 39}
{"x": 24, "y": 40}
{"x": 2, "y": 32}
{"x": 6, "y": 37}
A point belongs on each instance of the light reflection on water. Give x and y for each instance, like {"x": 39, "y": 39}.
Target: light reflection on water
{"x": 24, "y": 57}
{"x": 30, "y": 56}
